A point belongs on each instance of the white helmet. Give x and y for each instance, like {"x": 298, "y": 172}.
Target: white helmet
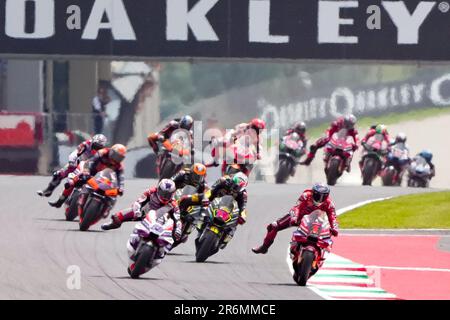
{"x": 99, "y": 141}
{"x": 166, "y": 190}
{"x": 240, "y": 181}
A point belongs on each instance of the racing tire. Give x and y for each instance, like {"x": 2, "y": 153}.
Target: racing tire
{"x": 72, "y": 210}
{"x": 91, "y": 214}
{"x": 206, "y": 246}
{"x": 143, "y": 261}
{"x": 333, "y": 171}
{"x": 284, "y": 170}
{"x": 304, "y": 268}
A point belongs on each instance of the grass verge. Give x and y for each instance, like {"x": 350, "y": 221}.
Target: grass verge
{"x": 418, "y": 211}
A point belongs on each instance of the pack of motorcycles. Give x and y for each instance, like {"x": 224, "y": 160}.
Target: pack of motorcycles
{"x": 152, "y": 237}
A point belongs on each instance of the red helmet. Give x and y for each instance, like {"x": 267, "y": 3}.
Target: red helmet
{"x": 258, "y": 124}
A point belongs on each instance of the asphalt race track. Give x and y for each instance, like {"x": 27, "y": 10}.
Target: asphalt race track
{"x": 37, "y": 246}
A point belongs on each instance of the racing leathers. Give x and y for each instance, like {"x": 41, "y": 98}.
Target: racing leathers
{"x": 372, "y": 132}
{"x": 335, "y": 127}
{"x": 83, "y": 152}
{"x": 304, "y": 206}
{"x": 100, "y": 161}
{"x": 149, "y": 200}
{"x": 224, "y": 186}
{"x": 165, "y": 134}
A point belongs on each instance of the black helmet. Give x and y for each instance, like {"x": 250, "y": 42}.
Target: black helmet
{"x": 320, "y": 193}
{"x": 349, "y": 121}
{"x": 300, "y": 127}
{"x": 186, "y": 122}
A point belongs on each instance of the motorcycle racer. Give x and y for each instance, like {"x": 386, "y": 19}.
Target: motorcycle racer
{"x": 310, "y": 200}
{"x": 348, "y": 122}
{"x": 300, "y": 129}
{"x": 428, "y": 156}
{"x": 105, "y": 158}
{"x": 152, "y": 199}
{"x": 84, "y": 151}
{"x": 185, "y": 123}
{"x": 379, "y": 129}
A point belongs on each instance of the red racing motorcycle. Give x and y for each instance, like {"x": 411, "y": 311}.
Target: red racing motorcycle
{"x": 310, "y": 244}
{"x": 338, "y": 150}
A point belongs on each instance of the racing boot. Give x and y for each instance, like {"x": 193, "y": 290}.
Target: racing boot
{"x": 58, "y": 203}
{"x": 56, "y": 180}
{"x": 261, "y": 249}
{"x": 114, "y": 224}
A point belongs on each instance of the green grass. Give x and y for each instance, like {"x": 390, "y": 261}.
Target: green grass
{"x": 419, "y": 211}
{"x": 387, "y": 119}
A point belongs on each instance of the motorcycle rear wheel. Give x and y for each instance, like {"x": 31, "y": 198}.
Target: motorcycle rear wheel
{"x": 304, "y": 269}
{"x": 72, "y": 210}
{"x": 143, "y": 261}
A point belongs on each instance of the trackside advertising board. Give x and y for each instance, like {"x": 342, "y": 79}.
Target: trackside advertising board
{"x": 284, "y": 29}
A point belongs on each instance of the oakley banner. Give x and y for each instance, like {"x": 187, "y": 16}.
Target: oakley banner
{"x": 285, "y": 29}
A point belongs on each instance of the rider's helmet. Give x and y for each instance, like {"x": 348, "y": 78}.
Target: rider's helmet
{"x": 99, "y": 141}
{"x": 240, "y": 182}
{"x": 400, "y": 138}
{"x": 380, "y": 129}
{"x": 295, "y": 136}
{"x": 117, "y": 153}
{"x": 320, "y": 193}
{"x": 300, "y": 127}
{"x": 427, "y": 155}
{"x": 257, "y": 124}
{"x": 350, "y": 121}
{"x": 198, "y": 174}
{"x": 186, "y": 122}
{"x": 166, "y": 190}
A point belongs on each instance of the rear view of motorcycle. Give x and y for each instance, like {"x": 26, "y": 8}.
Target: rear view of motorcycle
{"x": 291, "y": 149}
{"x": 151, "y": 239}
{"x": 309, "y": 246}
{"x": 219, "y": 220}
{"x": 102, "y": 191}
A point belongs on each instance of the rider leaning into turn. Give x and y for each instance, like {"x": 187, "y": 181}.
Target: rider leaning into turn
{"x": 348, "y": 122}
{"x": 152, "y": 199}
{"x": 311, "y": 200}
{"x": 428, "y": 156}
{"x": 379, "y": 129}
{"x": 105, "y": 158}
{"x": 84, "y": 151}
{"x": 184, "y": 123}
{"x": 235, "y": 186}
{"x": 300, "y": 129}
{"x": 194, "y": 176}
{"x": 252, "y": 128}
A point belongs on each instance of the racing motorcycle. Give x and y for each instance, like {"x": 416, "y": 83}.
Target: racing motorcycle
{"x": 310, "y": 244}
{"x": 373, "y": 157}
{"x": 102, "y": 191}
{"x": 174, "y": 153}
{"x": 291, "y": 149}
{"x": 339, "y": 149}
{"x": 242, "y": 160}
{"x": 221, "y": 217}
{"x": 150, "y": 241}
{"x": 419, "y": 173}
{"x": 397, "y": 159}
{"x": 71, "y": 204}
{"x": 191, "y": 217}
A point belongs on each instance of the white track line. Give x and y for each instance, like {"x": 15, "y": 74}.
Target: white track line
{"x": 360, "y": 204}
{"x": 409, "y": 268}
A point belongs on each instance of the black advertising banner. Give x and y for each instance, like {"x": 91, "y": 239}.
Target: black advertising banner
{"x": 284, "y": 29}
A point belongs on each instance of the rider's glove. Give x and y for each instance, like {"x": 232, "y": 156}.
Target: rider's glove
{"x": 120, "y": 192}
{"x": 334, "y": 232}
{"x": 258, "y": 156}
{"x": 355, "y": 147}
{"x": 241, "y": 220}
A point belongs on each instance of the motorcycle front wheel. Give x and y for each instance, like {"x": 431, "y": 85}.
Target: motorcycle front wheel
{"x": 368, "y": 171}
{"x": 284, "y": 170}
{"x": 333, "y": 171}
{"x": 304, "y": 268}
{"x": 91, "y": 214}
{"x": 143, "y": 261}
{"x": 72, "y": 209}
{"x": 206, "y": 245}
